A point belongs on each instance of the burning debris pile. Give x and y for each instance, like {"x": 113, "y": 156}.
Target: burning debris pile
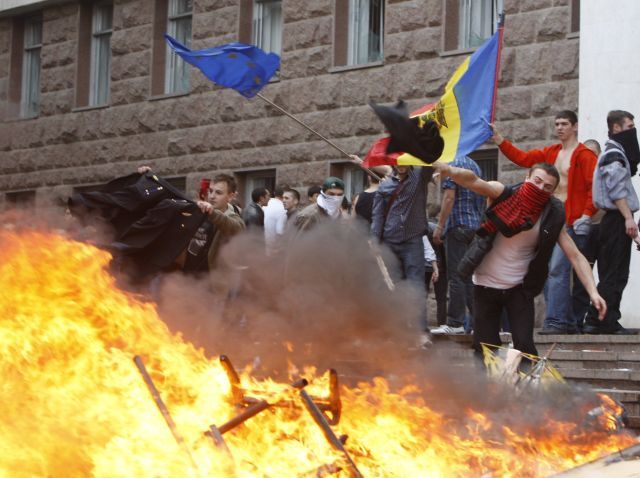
{"x": 73, "y": 402}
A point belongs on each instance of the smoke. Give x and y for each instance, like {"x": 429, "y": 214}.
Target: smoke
{"x": 320, "y": 301}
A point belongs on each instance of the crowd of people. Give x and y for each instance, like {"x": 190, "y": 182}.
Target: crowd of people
{"x": 490, "y": 250}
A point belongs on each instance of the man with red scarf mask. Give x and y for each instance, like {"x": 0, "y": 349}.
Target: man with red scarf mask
{"x": 509, "y": 257}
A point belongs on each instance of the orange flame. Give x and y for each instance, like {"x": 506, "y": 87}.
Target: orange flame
{"x": 73, "y": 404}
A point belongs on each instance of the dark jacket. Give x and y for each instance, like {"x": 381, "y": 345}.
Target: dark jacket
{"x": 153, "y": 222}
{"x": 551, "y": 224}
{"x": 253, "y": 215}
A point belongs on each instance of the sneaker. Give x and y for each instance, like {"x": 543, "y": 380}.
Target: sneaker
{"x": 447, "y": 330}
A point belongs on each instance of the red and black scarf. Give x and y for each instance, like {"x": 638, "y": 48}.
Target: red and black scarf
{"x": 518, "y": 212}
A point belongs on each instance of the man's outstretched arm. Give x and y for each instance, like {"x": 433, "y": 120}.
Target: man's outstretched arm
{"x": 468, "y": 179}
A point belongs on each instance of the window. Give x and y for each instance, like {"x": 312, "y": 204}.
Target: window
{"x": 267, "y": 25}
{"x": 366, "y": 27}
{"x": 487, "y": 159}
{"x": 354, "y": 177}
{"x": 100, "y": 54}
{"x": 250, "y": 180}
{"x": 30, "y": 87}
{"x": 20, "y": 199}
{"x": 575, "y": 16}
{"x": 470, "y": 22}
{"x": 179, "y": 14}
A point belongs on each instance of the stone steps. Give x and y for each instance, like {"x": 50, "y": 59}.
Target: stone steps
{"x": 605, "y": 363}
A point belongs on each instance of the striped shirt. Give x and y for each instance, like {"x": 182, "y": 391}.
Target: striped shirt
{"x": 468, "y": 207}
{"x": 407, "y": 217}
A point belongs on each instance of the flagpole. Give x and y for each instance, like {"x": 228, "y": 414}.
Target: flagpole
{"x": 495, "y": 85}
{"x": 328, "y": 141}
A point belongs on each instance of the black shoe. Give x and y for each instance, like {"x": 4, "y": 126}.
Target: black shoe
{"x": 553, "y": 331}
{"x": 593, "y": 330}
{"x": 623, "y": 331}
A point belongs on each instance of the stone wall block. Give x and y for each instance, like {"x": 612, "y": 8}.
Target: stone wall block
{"x": 570, "y": 100}
{"x": 294, "y": 10}
{"x": 131, "y": 90}
{"x": 397, "y": 47}
{"x": 209, "y": 5}
{"x": 554, "y": 24}
{"x": 528, "y": 130}
{"x": 512, "y": 6}
{"x": 58, "y": 54}
{"x": 507, "y": 67}
{"x": 131, "y": 40}
{"x": 433, "y": 9}
{"x": 132, "y": 65}
{"x": 535, "y": 5}
{"x": 9, "y": 163}
{"x": 307, "y": 33}
{"x": 514, "y": 103}
{"x": 132, "y": 14}
{"x": 56, "y": 102}
{"x": 60, "y": 29}
{"x": 405, "y": 16}
{"x": 547, "y": 99}
{"x": 308, "y": 62}
{"x": 214, "y": 23}
{"x": 425, "y": 43}
{"x": 533, "y": 63}
{"x": 521, "y": 29}
{"x": 55, "y": 79}
{"x": 66, "y": 131}
{"x": 565, "y": 60}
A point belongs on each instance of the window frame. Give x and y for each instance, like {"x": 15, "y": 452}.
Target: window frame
{"x": 31, "y": 54}
{"x": 258, "y": 40}
{"x": 246, "y": 182}
{"x": 354, "y": 178}
{"x": 177, "y": 73}
{"x": 452, "y": 20}
{"x": 343, "y": 36}
{"x": 96, "y": 96}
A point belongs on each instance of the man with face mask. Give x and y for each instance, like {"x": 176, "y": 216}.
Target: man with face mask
{"x": 509, "y": 256}
{"x": 327, "y": 206}
{"x": 614, "y": 193}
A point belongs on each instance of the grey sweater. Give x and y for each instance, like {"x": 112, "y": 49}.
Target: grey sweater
{"x": 612, "y": 179}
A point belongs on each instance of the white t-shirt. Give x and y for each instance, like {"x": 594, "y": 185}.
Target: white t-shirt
{"x": 275, "y": 218}
{"x": 506, "y": 264}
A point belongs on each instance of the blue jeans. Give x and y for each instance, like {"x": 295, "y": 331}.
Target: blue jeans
{"x": 411, "y": 256}
{"x": 557, "y": 290}
{"x": 456, "y": 243}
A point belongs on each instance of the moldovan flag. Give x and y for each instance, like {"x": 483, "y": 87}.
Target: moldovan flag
{"x": 462, "y": 113}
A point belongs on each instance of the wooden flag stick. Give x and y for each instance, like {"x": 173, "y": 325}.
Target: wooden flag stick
{"x": 323, "y": 138}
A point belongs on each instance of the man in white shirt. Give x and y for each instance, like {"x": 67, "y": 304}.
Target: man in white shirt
{"x": 275, "y": 218}
{"x": 509, "y": 257}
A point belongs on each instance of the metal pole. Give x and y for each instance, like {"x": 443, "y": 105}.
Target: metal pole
{"x": 331, "y": 437}
{"x": 323, "y": 138}
{"x": 164, "y": 411}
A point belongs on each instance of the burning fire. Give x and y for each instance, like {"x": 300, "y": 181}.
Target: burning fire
{"x": 74, "y": 404}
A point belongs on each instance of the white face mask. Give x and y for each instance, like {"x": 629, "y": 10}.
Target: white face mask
{"x": 331, "y": 204}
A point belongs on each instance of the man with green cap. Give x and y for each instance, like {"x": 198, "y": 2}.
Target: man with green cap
{"x": 327, "y": 206}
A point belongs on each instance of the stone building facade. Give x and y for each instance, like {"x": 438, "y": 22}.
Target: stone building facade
{"x": 207, "y": 129}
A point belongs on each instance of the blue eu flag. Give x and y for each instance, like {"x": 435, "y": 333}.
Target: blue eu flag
{"x": 245, "y": 68}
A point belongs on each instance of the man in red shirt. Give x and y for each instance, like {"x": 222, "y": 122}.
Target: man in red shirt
{"x": 576, "y": 164}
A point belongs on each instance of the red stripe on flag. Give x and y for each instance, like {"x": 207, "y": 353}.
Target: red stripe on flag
{"x": 377, "y": 155}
